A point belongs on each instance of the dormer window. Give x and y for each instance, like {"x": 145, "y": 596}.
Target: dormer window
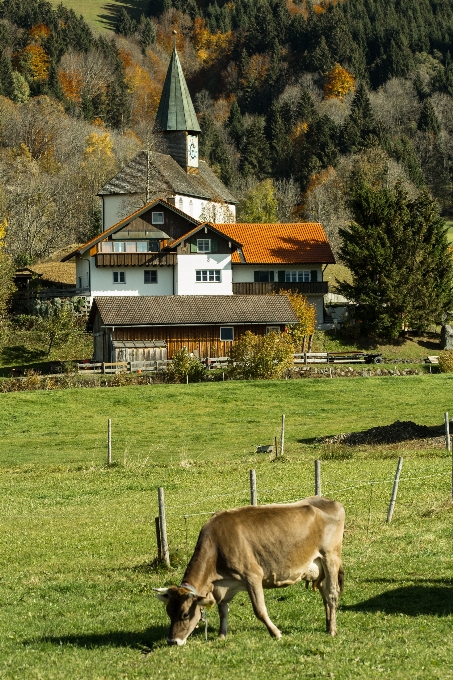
{"x": 203, "y": 245}
{"x": 157, "y": 217}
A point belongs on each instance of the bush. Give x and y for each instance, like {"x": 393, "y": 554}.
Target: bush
{"x": 183, "y": 365}
{"x": 446, "y": 361}
{"x": 261, "y": 356}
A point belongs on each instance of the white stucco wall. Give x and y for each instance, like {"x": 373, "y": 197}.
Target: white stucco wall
{"x": 82, "y": 274}
{"x": 244, "y": 273}
{"x": 102, "y": 281}
{"x": 186, "y": 283}
{"x": 117, "y": 207}
{"x": 207, "y": 211}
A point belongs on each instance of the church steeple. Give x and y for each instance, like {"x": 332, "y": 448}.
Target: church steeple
{"x": 176, "y": 117}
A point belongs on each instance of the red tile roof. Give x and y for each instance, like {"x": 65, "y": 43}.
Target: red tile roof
{"x": 299, "y": 243}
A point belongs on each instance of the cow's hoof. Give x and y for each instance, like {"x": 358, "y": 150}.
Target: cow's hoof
{"x": 221, "y": 637}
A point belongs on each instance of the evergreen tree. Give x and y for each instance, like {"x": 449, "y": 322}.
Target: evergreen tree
{"x": 147, "y": 34}
{"x": 428, "y": 120}
{"x": 360, "y": 128}
{"x": 125, "y": 24}
{"x": 235, "y": 124}
{"x": 6, "y": 77}
{"x": 157, "y": 7}
{"x": 255, "y": 159}
{"x": 397, "y": 252}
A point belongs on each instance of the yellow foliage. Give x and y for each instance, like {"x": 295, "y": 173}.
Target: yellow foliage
{"x": 446, "y": 361}
{"x": 209, "y": 46}
{"x": 3, "y": 225}
{"x": 338, "y": 83}
{"x": 39, "y": 32}
{"x": 98, "y": 145}
{"x": 305, "y": 312}
{"x": 35, "y": 59}
{"x": 71, "y": 83}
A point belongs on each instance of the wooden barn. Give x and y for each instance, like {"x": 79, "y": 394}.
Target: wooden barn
{"x": 144, "y": 328}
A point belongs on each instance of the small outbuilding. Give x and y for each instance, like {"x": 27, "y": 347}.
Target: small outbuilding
{"x": 207, "y": 325}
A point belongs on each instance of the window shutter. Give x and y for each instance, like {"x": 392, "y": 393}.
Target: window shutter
{"x": 314, "y": 275}
{"x": 256, "y": 277}
{"x": 281, "y": 276}
{"x": 193, "y": 246}
{"x": 271, "y": 276}
{"x": 214, "y": 245}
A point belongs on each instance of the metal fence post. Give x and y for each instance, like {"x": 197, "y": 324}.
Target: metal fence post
{"x": 447, "y": 431}
{"x": 163, "y": 526}
{"x": 282, "y": 436}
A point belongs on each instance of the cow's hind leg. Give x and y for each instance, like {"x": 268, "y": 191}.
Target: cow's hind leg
{"x": 330, "y": 590}
{"x": 223, "y": 613}
{"x": 256, "y": 594}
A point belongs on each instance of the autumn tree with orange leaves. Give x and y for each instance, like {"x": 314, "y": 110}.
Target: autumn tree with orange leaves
{"x": 338, "y": 83}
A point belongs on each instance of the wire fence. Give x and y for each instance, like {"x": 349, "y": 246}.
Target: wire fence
{"x": 367, "y": 502}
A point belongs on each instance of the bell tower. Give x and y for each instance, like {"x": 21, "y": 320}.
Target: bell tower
{"x": 176, "y": 118}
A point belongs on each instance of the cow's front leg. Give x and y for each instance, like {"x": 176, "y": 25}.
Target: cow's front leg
{"x": 223, "y": 613}
{"x": 256, "y": 594}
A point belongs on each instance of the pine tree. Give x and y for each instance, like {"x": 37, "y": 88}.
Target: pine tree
{"x": 428, "y": 120}
{"x": 397, "y": 252}
{"x": 6, "y": 76}
{"x": 235, "y": 124}
{"x": 147, "y": 34}
{"x": 125, "y": 24}
{"x": 360, "y": 128}
{"x": 255, "y": 159}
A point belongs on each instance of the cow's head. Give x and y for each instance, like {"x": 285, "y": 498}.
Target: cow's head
{"x": 184, "y": 609}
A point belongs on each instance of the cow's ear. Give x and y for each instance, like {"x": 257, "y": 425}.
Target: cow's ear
{"x": 162, "y": 594}
{"x": 207, "y": 601}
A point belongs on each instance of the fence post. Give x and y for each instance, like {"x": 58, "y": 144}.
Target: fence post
{"x": 253, "y": 496}
{"x": 158, "y": 541}
{"x": 447, "y": 431}
{"x": 109, "y": 442}
{"x": 163, "y": 526}
{"x": 282, "y": 436}
{"x": 317, "y": 478}
{"x": 276, "y": 446}
{"x": 395, "y": 490}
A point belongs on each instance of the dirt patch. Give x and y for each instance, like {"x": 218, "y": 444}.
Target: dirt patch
{"x": 399, "y": 431}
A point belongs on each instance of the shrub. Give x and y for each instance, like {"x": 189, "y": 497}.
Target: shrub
{"x": 183, "y": 365}
{"x": 261, "y": 356}
{"x": 446, "y": 361}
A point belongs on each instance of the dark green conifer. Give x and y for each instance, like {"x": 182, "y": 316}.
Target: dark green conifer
{"x": 255, "y": 158}
{"x": 147, "y": 34}
{"x": 125, "y": 24}
{"x": 428, "y": 120}
{"x": 235, "y": 124}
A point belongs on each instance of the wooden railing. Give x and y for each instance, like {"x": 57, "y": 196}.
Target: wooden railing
{"x": 123, "y": 366}
{"x": 308, "y": 288}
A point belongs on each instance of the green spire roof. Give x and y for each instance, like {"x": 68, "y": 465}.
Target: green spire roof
{"x": 176, "y": 110}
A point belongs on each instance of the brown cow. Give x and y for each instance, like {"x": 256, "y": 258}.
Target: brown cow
{"x": 256, "y": 547}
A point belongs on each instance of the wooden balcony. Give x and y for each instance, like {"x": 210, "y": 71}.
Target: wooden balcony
{"x": 308, "y": 288}
{"x": 135, "y": 259}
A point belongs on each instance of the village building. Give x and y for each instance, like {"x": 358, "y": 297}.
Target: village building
{"x": 164, "y": 275}
{"x": 170, "y": 167}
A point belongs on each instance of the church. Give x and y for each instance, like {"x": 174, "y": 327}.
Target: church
{"x": 172, "y": 268}
{"x": 170, "y": 168}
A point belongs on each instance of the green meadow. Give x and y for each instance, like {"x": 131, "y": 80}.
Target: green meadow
{"x": 101, "y": 15}
{"x": 78, "y": 549}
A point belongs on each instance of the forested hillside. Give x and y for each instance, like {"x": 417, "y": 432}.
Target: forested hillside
{"x": 296, "y": 99}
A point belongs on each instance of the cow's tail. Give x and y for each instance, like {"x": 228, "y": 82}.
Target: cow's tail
{"x": 341, "y": 578}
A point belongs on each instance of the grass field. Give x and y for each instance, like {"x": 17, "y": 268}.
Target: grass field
{"x": 100, "y": 14}
{"x": 77, "y": 539}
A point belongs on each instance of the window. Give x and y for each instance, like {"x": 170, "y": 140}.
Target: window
{"x": 297, "y": 276}
{"x": 119, "y": 277}
{"x": 131, "y": 247}
{"x": 142, "y": 246}
{"x": 203, "y": 245}
{"x": 272, "y": 329}
{"x": 227, "y": 333}
{"x": 180, "y": 204}
{"x": 263, "y": 276}
{"x": 210, "y": 275}
{"x": 119, "y": 247}
{"x": 154, "y": 246}
{"x": 157, "y": 218}
{"x": 150, "y": 276}
{"x": 106, "y": 247}
{"x": 80, "y": 282}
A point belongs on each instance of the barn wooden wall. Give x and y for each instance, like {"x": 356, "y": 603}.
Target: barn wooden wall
{"x": 203, "y": 341}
